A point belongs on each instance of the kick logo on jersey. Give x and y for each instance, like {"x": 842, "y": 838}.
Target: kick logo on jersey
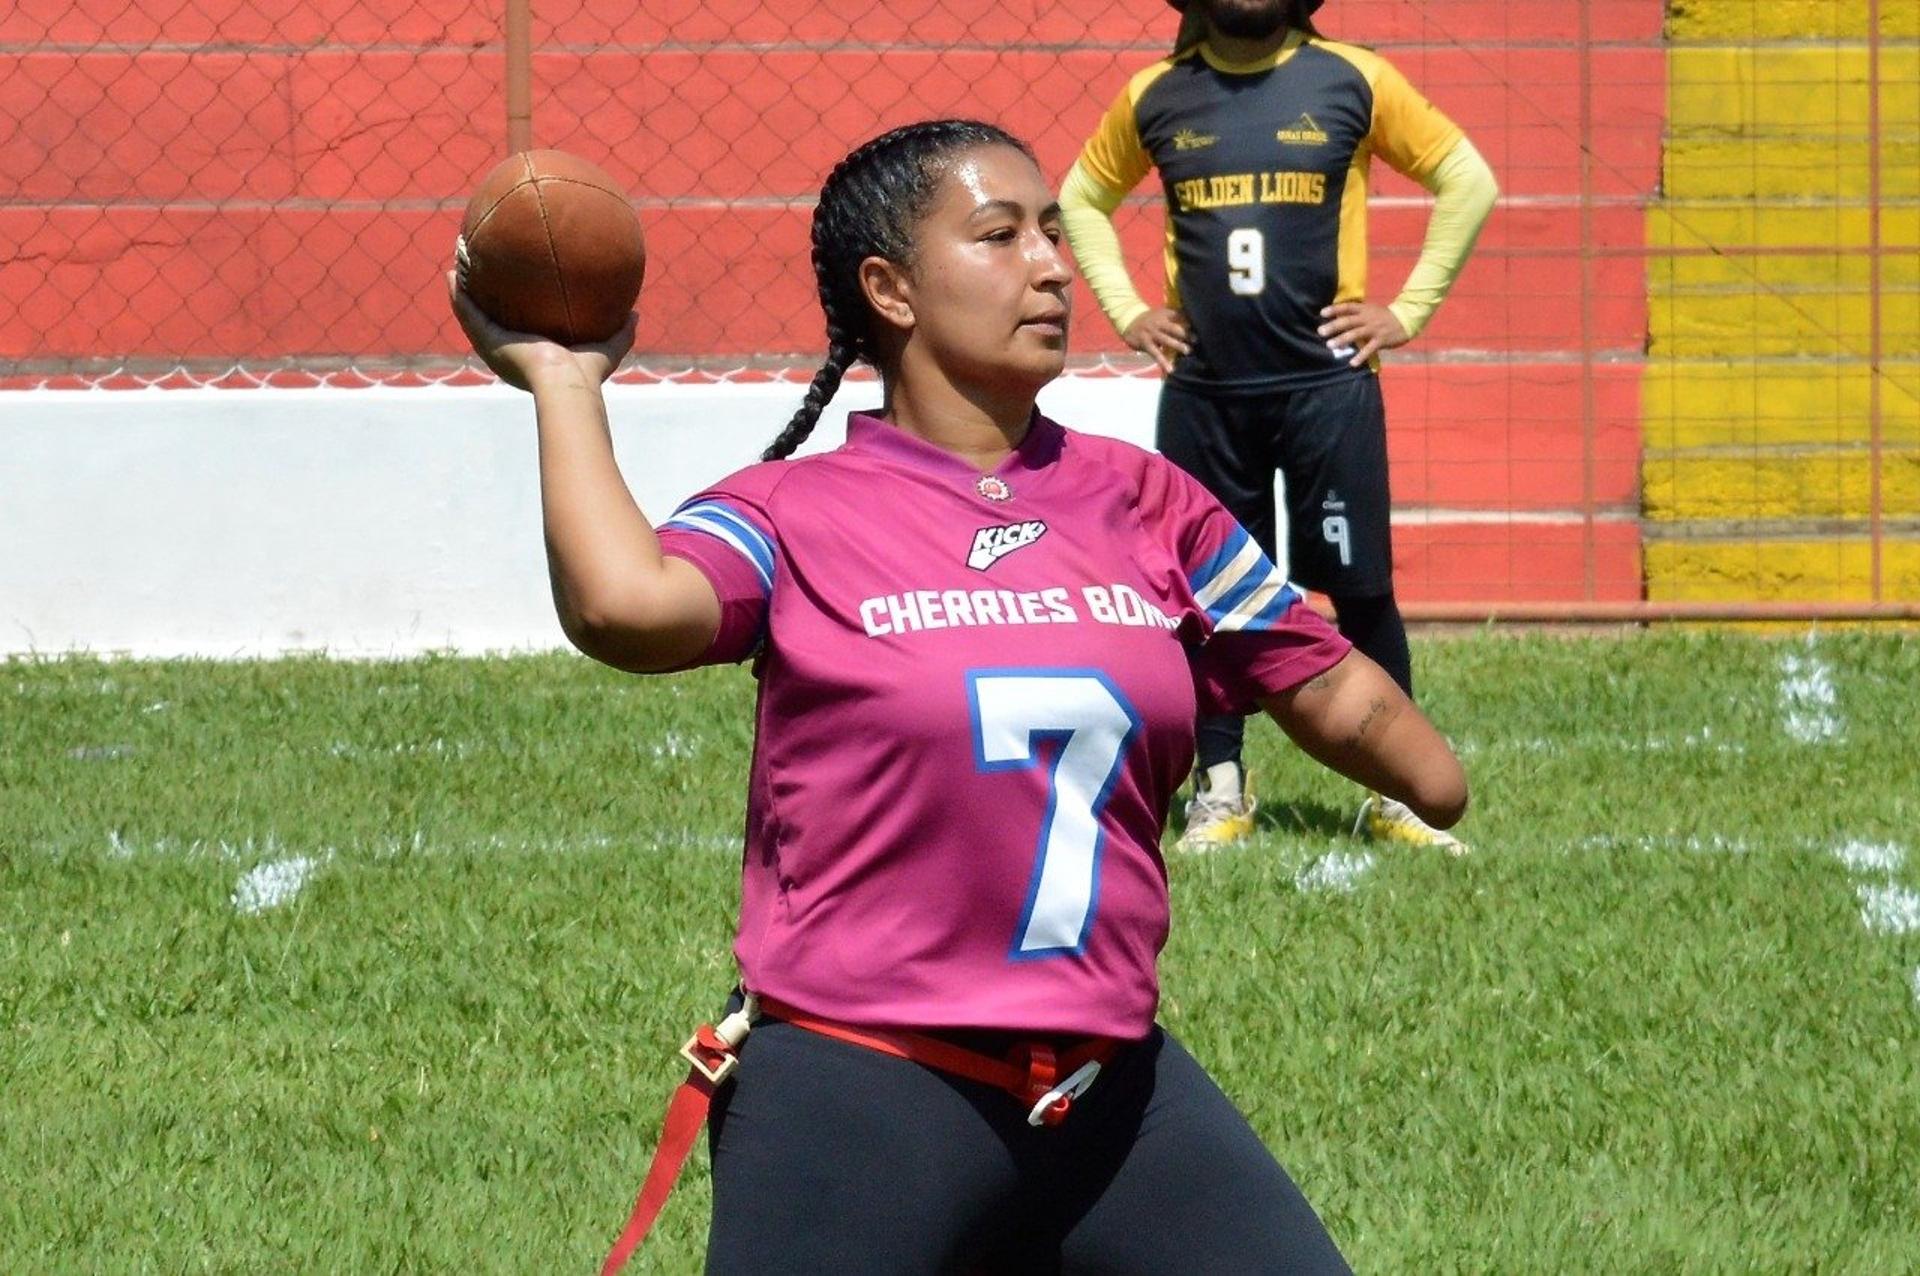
{"x": 991, "y": 544}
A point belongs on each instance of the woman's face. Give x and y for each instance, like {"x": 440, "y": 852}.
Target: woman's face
{"x": 989, "y": 290}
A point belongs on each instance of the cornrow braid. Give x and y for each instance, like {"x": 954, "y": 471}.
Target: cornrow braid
{"x": 843, "y": 341}
{"x": 869, "y": 206}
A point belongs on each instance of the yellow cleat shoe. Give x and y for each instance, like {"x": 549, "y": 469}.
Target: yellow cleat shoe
{"x": 1385, "y": 820}
{"x": 1220, "y": 813}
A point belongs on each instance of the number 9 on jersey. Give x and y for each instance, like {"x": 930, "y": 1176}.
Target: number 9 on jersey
{"x": 1246, "y": 262}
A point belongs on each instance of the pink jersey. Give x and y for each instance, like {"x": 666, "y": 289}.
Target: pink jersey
{"x": 977, "y": 699}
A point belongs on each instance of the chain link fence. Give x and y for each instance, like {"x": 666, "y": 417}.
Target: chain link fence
{"x": 1682, "y": 368}
{"x": 234, "y": 192}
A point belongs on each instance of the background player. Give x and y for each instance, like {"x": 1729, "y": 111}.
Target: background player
{"x": 1262, "y": 131}
{"x": 980, "y": 638}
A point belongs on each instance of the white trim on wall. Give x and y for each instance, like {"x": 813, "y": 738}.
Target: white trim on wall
{"x": 367, "y": 522}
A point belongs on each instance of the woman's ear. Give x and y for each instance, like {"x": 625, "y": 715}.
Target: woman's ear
{"x": 889, "y": 291}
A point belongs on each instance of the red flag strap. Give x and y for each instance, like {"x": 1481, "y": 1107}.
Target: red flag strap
{"x": 1032, "y": 1072}
{"x": 712, "y": 1055}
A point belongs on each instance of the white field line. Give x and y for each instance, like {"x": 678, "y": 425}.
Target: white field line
{"x": 1334, "y": 871}
{"x": 1702, "y": 741}
{"x": 1648, "y": 843}
{"x": 1871, "y": 857}
{"x": 1889, "y": 909}
{"x": 251, "y": 850}
{"x": 1886, "y": 906}
{"x": 274, "y": 883}
{"x": 1807, "y": 697}
{"x": 672, "y": 744}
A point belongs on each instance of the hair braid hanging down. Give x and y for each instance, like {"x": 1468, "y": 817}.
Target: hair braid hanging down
{"x": 843, "y": 341}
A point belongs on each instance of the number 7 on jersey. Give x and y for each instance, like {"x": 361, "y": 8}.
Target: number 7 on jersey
{"x": 1091, "y": 724}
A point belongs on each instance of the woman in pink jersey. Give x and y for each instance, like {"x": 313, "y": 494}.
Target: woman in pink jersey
{"x": 981, "y": 640}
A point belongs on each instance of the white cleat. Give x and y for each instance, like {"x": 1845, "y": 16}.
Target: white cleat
{"x": 1385, "y": 820}
{"x": 1220, "y": 813}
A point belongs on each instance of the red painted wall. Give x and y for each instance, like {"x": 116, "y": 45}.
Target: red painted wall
{"x": 219, "y": 180}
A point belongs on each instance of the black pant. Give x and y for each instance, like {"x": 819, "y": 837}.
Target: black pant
{"x": 1330, "y": 442}
{"x": 830, "y": 1157}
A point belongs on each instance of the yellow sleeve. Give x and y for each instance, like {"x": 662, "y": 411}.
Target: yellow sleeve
{"x": 1113, "y": 162}
{"x": 1409, "y": 132}
{"x": 1463, "y": 189}
{"x": 1086, "y": 212}
{"x": 1114, "y": 156}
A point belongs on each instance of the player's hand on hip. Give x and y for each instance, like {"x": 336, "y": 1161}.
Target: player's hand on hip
{"x": 519, "y": 357}
{"x": 1363, "y": 327}
{"x": 1161, "y": 333}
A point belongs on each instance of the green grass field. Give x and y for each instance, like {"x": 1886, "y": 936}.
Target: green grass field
{"x": 325, "y": 967}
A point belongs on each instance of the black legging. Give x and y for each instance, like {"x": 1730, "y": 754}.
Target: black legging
{"x": 830, "y": 1157}
{"x": 1372, "y": 624}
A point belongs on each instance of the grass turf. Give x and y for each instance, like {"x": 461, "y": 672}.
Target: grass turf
{"x": 378, "y": 967}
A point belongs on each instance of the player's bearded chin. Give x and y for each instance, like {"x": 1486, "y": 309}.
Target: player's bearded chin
{"x": 1248, "y": 19}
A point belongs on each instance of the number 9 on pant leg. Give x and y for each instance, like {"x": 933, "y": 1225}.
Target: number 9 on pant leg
{"x": 1333, "y": 451}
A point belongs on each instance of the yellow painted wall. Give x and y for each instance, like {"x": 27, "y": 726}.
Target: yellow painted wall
{"x": 1740, "y": 404}
{"x": 1757, "y": 466}
{"x": 1745, "y": 21}
{"x": 1798, "y": 482}
{"x": 1804, "y": 569}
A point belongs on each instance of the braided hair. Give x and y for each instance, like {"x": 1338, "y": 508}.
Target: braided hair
{"x": 869, "y": 207}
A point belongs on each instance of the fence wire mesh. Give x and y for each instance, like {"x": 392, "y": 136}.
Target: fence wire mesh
{"x": 1682, "y": 366}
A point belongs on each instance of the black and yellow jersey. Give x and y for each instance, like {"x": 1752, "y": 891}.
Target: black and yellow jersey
{"x": 1264, "y": 165}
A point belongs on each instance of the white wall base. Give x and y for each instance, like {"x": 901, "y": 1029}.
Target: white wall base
{"x": 374, "y": 522}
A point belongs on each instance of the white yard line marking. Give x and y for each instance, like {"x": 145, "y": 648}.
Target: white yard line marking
{"x": 1871, "y": 857}
{"x": 1702, "y": 740}
{"x": 248, "y": 850}
{"x": 1693, "y": 844}
{"x": 273, "y": 884}
{"x": 1807, "y": 696}
{"x": 1889, "y": 909}
{"x": 1334, "y": 871}
{"x": 1886, "y": 906}
{"x": 245, "y": 850}
{"x": 674, "y": 745}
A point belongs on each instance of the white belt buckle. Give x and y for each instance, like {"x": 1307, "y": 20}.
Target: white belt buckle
{"x": 1072, "y": 1088}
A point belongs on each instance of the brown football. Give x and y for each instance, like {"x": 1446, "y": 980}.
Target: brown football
{"x": 550, "y": 245}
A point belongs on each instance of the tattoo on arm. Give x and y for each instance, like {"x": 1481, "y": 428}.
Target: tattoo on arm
{"x": 1319, "y": 682}
{"x": 1374, "y": 711}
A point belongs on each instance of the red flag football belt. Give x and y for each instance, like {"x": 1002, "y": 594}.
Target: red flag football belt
{"x": 1044, "y": 1080}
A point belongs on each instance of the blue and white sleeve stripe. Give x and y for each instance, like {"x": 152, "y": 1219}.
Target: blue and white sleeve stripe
{"x": 728, "y": 526}
{"x": 1240, "y": 588}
